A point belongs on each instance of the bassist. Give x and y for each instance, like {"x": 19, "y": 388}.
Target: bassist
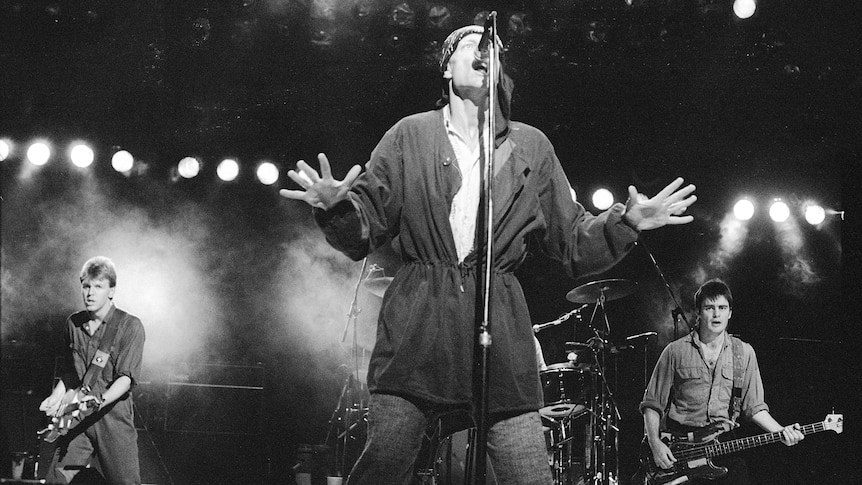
{"x": 707, "y": 378}
{"x": 108, "y": 432}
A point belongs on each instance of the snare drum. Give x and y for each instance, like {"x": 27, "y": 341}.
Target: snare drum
{"x": 565, "y": 388}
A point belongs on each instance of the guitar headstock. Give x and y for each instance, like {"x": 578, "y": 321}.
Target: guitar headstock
{"x": 834, "y": 422}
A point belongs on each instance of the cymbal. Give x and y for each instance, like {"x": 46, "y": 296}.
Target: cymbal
{"x": 377, "y": 286}
{"x": 593, "y": 291}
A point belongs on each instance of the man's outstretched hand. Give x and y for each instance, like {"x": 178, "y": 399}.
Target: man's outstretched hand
{"x": 320, "y": 190}
{"x": 664, "y": 208}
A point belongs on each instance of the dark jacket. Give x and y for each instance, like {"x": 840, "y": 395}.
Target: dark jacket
{"x": 425, "y": 334}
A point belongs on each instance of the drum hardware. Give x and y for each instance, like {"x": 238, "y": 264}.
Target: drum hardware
{"x": 349, "y": 421}
{"x": 446, "y": 456}
{"x": 601, "y": 443}
{"x": 605, "y": 290}
{"x": 562, "y": 318}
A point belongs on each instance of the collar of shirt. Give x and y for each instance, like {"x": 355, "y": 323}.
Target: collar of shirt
{"x": 102, "y": 323}
{"x": 696, "y": 341}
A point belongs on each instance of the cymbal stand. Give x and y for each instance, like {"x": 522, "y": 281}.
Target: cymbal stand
{"x": 604, "y": 415}
{"x": 350, "y": 414}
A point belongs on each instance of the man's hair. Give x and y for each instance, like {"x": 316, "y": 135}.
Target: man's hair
{"x": 711, "y": 290}
{"x": 99, "y": 267}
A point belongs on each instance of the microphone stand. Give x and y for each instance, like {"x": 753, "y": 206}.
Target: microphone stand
{"x": 677, "y": 312}
{"x": 486, "y": 235}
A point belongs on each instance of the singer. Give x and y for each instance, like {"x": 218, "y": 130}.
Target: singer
{"x": 422, "y": 184}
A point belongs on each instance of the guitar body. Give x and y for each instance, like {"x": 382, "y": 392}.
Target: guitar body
{"x": 72, "y": 414}
{"x": 682, "y": 471}
{"x": 693, "y": 457}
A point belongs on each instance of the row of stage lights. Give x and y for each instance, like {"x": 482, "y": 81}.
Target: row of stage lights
{"x": 39, "y": 153}
{"x": 82, "y": 155}
{"x": 744, "y": 209}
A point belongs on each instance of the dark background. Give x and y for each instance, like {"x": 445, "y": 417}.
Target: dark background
{"x": 239, "y": 292}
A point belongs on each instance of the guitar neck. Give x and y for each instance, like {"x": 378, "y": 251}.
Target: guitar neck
{"x": 724, "y": 447}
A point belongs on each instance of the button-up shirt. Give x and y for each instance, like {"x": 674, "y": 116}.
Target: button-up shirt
{"x": 697, "y": 394}
{"x": 465, "y": 205}
{"x": 125, "y": 360}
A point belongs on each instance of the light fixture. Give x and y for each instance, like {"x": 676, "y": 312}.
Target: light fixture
{"x": 814, "y": 214}
{"x": 743, "y": 209}
{"x": 440, "y": 17}
{"x": 227, "y": 170}
{"x": 602, "y": 199}
{"x": 267, "y": 173}
{"x": 81, "y": 155}
{"x": 744, "y": 8}
{"x": 38, "y": 153}
{"x": 5, "y": 150}
{"x": 189, "y": 167}
{"x": 122, "y": 161}
{"x": 779, "y": 211}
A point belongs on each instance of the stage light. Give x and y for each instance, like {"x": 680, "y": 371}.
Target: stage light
{"x": 519, "y": 25}
{"x": 743, "y": 210}
{"x": 602, "y": 199}
{"x": 744, "y": 8}
{"x": 122, "y": 161}
{"x": 5, "y": 148}
{"x": 402, "y": 15}
{"x": 81, "y": 155}
{"x": 38, "y": 153}
{"x": 227, "y": 170}
{"x": 779, "y": 212}
{"x": 814, "y": 214}
{"x": 267, "y": 173}
{"x": 440, "y": 17}
{"x": 189, "y": 167}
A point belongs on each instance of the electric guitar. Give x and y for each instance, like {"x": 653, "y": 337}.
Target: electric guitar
{"x": 74, "y": 410}
{"x": 694, "y": 456}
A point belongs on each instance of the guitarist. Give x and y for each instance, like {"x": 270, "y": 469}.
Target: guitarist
{"x": 108, "y": 433}
{"x": 692, "y": 386}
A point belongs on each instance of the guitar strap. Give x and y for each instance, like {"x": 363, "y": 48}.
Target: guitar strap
{"x": 738, "y": 376}
{"x": 106, "y": 346}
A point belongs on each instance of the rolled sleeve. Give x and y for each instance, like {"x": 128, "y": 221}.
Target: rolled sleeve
{"x": 753, "y": 400}
{"x": 658, "y": 390}
{"x": 130, "y": 352}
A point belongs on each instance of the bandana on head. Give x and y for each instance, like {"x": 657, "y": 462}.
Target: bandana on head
{"x": 451, "y": 42}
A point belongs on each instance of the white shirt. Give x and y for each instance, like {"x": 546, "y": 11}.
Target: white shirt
{"x": 465, "y": 205}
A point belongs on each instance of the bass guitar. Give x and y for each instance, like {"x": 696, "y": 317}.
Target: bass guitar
{"x": 73, "y": 410}
{"x": 693, "y": 458}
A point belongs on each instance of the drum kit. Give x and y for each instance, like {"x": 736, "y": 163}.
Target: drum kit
{"x": 579, "y": 414}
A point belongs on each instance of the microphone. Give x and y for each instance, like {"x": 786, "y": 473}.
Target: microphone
{"x": 541, "y": 326}
{"x": 641, "y": 335}
{"x": 481, "y": 54}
